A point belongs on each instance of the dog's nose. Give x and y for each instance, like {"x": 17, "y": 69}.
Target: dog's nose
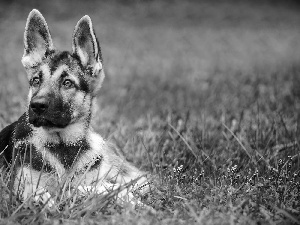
{"x": 39, "y": 105}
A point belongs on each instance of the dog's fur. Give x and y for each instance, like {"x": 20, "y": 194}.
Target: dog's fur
{"x": 54, "y": 135}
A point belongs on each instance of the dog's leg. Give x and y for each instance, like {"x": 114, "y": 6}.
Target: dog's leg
{"x": 32, "y": 183}
{"x": 124, "y": 195}
{"x": 113, "y": 166}
{"x": 122, "y": 172}
{"x": 123, "y": 176}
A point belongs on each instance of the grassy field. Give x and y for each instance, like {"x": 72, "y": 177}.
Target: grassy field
{"x": 205, "y": 96}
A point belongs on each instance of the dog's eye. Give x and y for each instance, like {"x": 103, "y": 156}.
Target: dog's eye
{"x": 68, "y": 83}
{"x": 35, "y": 82}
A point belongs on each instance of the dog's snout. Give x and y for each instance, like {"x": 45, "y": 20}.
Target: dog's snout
{"x": 39, "y": 106}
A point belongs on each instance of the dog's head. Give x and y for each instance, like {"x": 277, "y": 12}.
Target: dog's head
{"x": 62, "y": 84}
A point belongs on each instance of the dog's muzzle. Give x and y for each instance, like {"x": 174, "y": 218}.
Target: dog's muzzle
{"x": 39, "y": 106}
{"x": 41, "y": 115}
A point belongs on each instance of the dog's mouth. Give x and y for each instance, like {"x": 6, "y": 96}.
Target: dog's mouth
{"x": 50, "y": 120}
{"x": 42, "y": 122}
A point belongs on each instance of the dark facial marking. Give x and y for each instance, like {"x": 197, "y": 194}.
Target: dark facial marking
{"x": 84, "y": 85}
{"x": 57, "y": 113}
{"x": 49, "y": 52}
{"x": 58, "y": 59}
{"x": 66, "y": 58}
{"x": 40, "y": 77}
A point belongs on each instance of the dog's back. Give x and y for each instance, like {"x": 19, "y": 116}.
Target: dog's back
{"x": 6, "y": 144}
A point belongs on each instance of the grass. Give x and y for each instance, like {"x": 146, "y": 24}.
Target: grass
{"x": 203, "y": 95}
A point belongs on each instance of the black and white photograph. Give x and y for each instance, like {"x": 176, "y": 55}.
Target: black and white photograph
{"x": 145, "y": 112}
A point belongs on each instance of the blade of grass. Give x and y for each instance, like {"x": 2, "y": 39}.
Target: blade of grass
{"x": 240, "y": 143}
{"x": 183, "y": 139}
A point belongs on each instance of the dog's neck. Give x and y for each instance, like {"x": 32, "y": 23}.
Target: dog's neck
{"x": 68, "y": 135}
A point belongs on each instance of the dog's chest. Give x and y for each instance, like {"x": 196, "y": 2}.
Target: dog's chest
{"x": 49, "y": 157}
{"x": 49, "y": 153}
{"x": 68, "y": 153}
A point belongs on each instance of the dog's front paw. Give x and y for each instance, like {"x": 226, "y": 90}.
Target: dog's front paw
{"x": 124, "y": 196}
{"x": 44, "y": 197}
{"x": 40, "y": 195}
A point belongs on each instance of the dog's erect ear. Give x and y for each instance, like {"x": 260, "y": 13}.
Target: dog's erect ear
{"x": 37, "y": 39}
{"x": 86, "y": 47}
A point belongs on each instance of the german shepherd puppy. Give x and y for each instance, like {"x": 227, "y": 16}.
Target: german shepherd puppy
{"x": 54, "y": 135}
